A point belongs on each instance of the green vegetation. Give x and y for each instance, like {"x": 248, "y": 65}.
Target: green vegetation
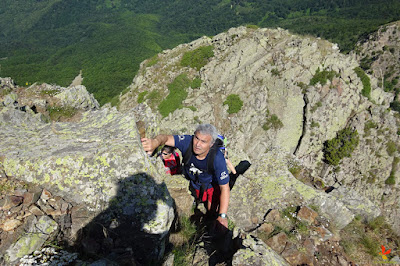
{"x": 314, "y": 124}
{"x": 362, "y": 240}
{"x": 234, "y": 103}
{"x": 51, "y": 41}
{"x": 391, "y": 180}
{"x": 323, "y": 76}
{"x": 251, "y": 26}
{"x": 141, "y": 96}
{"x": 196, "y": 83}
{"x": 194, "y": 109}
{"x": 197, "y": 58}
{"x": 6, "y": 185}
{"x": 391, "y": 147}
{"x": 369, "y": 125}
{"x": 152, "y": 61}
{"x": 316, "y": 106}
{"x": 57, "y": 113}
{"x": 49, "y": 92}
{"x": 272, "y": 121}
{"x": 4, "y": 92}
{"x": 366, "y": 91}
{"x": 186, "y": 246}
{"x": 177, "y": 93}
{"x": 295, "y": 170}
{"x": 275, "y": 72}
{"x": 341, "y": 146}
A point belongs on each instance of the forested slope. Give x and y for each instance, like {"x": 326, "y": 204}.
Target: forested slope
{"x": 52, "y": 40}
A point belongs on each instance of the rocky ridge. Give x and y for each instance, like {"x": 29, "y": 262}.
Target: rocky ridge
{"x": 94, "y": 158}
{"x": 273, "y": 73}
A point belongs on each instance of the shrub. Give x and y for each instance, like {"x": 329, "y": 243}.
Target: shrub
{"x": 366, "y": 91}
{"x": 395, "y": 105}
{"x": 275, "y": 72}
{"x": 234, "y": 103}
{"x": 341, "y": 146}
{"x": 366, "y": 62}
{"x": 272, "y": 122}
{"x": 322, "y": 76}
{"x": 391, "y": 180}
{"x": 314, "y": 124}
{"x": 177, "y": 94}
{"x": 316, "y": 106}
{"x": 141, "y": 96}
{"x": 197, "y": 58}
{"x": 370, "y": 124}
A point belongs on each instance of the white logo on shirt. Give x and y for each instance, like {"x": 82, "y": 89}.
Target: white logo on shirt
{"x": 181, "y": 137}
{"x": 194, "y": 170}
{"x": 224, "y": 175}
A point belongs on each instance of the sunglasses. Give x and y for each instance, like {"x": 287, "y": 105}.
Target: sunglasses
{"x": 165, "y": 153}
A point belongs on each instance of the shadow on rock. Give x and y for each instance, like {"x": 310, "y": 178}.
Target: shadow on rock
{"x": 133, "y": 229}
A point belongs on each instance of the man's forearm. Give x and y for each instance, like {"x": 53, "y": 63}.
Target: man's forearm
{"x": 161, "y": 139}
{"x": 224, "y": 198}
{"x": 150, "y": 145}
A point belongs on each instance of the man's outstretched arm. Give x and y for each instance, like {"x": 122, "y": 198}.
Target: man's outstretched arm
{"x": 149, "y": 145}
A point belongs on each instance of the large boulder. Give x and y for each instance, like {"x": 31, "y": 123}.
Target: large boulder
{"x": 97, "y": 162}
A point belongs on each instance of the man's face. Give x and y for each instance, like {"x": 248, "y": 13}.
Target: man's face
{"x": 201, "y": 143}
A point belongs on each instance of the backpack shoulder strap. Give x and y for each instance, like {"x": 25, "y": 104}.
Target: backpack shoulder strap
{"x": 211, "y": 155}
{"x": 188, "y": 153}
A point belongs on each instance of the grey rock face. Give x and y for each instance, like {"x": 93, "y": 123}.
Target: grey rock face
{"x": 255, "y": 252}
{"x": 78, "y": 97}
{"x": 97, "y": 161}
{"x": 39, "y": 230}
{"x": 269, "y": 185}
{"x": 277, "y": 74}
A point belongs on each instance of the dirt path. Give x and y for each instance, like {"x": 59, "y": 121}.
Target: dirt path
{"x": 77, "y": 80}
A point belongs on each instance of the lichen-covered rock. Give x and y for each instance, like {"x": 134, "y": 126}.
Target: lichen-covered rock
{"x": 97, "y": 161}
{"x": 302, "y": 92}
{"x": 77, "y": 97}
{"x": 357, "y": 203}
{"x": 43, "y": 97}
{"x": 255, "y": 252}
{"x": 268, "y": 184}
{"x": 38, "y": 231}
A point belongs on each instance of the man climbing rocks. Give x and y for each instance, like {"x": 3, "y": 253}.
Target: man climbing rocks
{"x": 210, "y": 183}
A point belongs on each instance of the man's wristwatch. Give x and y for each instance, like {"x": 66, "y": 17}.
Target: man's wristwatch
{"x": 223, "y": 215}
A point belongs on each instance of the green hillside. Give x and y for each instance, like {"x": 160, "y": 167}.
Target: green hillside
{"x": 52, "y": 40}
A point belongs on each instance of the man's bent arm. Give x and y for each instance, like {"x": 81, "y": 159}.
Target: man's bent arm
{"x": 149, "y": 145}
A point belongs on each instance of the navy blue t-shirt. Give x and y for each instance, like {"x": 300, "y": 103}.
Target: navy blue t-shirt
{"x": 221, "y": 177}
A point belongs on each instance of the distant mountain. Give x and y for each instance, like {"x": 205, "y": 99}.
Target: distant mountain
{"x": 52, "y": 40}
